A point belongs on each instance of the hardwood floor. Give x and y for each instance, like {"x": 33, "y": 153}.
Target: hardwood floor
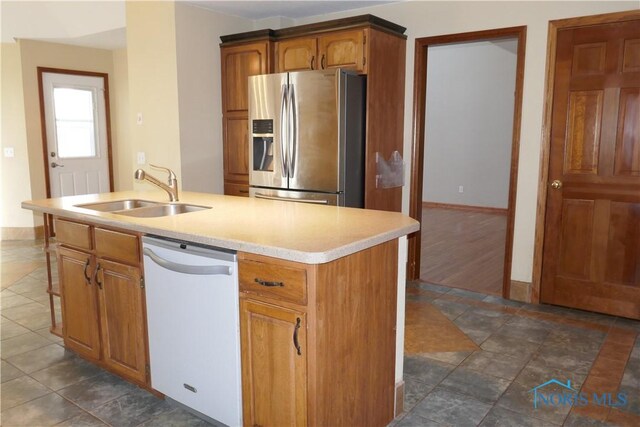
{"x": 463, "y": 249}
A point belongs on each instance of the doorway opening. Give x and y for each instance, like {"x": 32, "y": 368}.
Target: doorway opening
{"x": 76, "y": 132}
{"x": 467, "y": 101}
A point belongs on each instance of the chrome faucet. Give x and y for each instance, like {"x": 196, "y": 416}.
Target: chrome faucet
{"x": 171, "y": 188}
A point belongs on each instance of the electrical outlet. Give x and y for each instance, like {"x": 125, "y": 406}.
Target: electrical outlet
{"x": 8, "y": 152}
{"x": 141, "y": 158}
{"x": 460, "y": 189}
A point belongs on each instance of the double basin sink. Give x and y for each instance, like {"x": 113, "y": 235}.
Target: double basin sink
{"x": 142, "y": 208}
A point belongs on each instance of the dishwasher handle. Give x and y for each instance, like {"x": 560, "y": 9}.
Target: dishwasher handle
{"x": 187, "y": 269}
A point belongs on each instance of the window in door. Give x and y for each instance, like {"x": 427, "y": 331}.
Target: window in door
{"x": 74, "y": 111}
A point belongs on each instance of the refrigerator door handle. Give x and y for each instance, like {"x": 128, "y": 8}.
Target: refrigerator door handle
{"x": 293, "y": 130}
{"x": 284, "y": 131}
{"x": 292, "y": 199}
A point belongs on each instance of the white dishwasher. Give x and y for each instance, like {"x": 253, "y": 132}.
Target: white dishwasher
{"x": 193, "y": 326}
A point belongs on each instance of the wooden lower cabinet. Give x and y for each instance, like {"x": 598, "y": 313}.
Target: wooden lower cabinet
{"x": 344, "y": 371}
{"x": 122, "y": 319}
{"x": 102, "y": 297}
{"x": 80, "y": 303}
{"x": 274, "y": 365}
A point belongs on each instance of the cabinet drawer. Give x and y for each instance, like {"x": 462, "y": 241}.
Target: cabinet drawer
{"x": 73, "y": 234}
{"x": 232, "y": 189}
{"x": 273, "y": 280}
{"x": 118, "y": 246}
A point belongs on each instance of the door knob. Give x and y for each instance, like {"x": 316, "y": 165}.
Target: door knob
{"x": 556, "y": 184}
{"x": 56, "y": 165}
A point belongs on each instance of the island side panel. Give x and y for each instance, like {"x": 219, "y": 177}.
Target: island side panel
{"x": 355, "y": 342}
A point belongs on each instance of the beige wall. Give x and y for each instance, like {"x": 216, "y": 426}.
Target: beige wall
{"x": 153, "y": 86}
{"x": 120, "y": 115}
{"x": 198, "y": 34}
{"x": 41, "y": 54}
{"x": 14, "y": 172}
{"x": 423, "y": 19}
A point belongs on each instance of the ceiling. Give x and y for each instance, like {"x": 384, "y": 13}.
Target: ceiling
{"x": 101, "y": 24}
{"x": 252, "y": 9}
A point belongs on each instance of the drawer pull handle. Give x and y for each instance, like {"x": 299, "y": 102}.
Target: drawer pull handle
{"x": 269, "y": 284}
{"x": 95, "y": 276}
{"x": 87, "y": 279}
{"x": 190, "y": 388}
{"x": 295, "y": 336}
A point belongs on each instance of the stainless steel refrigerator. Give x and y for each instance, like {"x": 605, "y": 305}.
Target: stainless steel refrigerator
{"x": 306, "y": 141}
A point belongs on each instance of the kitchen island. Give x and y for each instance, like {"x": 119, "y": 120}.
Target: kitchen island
{"x": 340, "y": 267}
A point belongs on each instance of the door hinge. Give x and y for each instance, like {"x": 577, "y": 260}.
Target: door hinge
{"x": 147, "y": 369}
{"x": 142, "y": 283}
{"x": 364, "y": 39}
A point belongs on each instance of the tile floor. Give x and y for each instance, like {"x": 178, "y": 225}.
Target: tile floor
{"x": 471, "y": 360}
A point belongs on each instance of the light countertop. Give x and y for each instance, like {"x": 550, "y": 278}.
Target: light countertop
{"x": 292, "y": 231}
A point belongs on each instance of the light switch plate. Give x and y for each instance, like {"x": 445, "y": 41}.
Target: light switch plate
{"x": 139, "y": 118}
{"x": 8, "y": 152}
{"x": 141, "y": 158}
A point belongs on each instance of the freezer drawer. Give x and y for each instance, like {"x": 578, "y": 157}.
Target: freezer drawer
{"x": 193, "y": 326}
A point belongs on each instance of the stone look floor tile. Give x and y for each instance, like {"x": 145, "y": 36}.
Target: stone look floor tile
{"x": 535, "y": 373}
{"x": 501, "y": 301}
{"x": 13, "y": 301}
{"x": 46, "y": 333}
{"x": 177, "y": 418}
{"x": 575, "y": 420}
{"x": 21, "y": 390}
{"x": 450, "y": 357}
{"x": 131, "y": 409}
{"x": 532, "y": 334}
{"x": 9, "y": 372}
{"x": 449, "y": 308}
{"x": 82, "y": 420}
{"x": 496, "y": 364}
{"x": 631, "y": 377}
{"x": 520, "y": 399}
{"x": 415, "y": 420}
{"x": 65, "y": 373}
{"x": 414, "y": 391}
{"x": 501, "y": 417}
{"x": 40, "y": 358}
{"x": 11, "y": 329}
{"x": 450, "y": 408}
{"x": 509, "y": 345}
{"x": 48, "y": 410}
{"x": 22, "y": 343}
{"x": 425, "y": 370}
{"x": 97, "y": 391}
{"x": 483, "y": 387}
{"x": 467, "y": 294}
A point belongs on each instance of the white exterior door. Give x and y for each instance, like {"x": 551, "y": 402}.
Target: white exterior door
{"x": 76, "y": 129}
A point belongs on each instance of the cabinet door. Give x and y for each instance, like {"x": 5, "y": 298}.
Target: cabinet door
{"x": 79, "y": 303}
{"x": 274, "y": 384}
{"x": 122, "y": 318}
{"x": 238, "y": 63}
{"x": 236, "y": 154}
{"x": 297, "y": 54}
{"x": 343, "y": 49}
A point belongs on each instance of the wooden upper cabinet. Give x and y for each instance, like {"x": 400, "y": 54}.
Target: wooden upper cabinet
{"x": 343, "y": 49}
{"x": 336, "y": 49}
{"x": 236, "y": 154}
{"x": 297, "y": 54}
{"x": 238, "y": 63}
